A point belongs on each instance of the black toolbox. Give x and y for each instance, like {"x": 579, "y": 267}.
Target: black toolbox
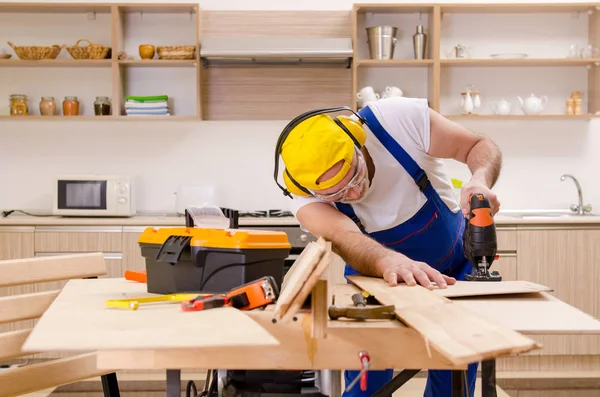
{"x": 192, "y": 259}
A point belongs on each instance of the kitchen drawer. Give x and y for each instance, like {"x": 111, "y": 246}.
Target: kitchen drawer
{"x": 113, "y": 261}
{"x": 78, "y": 239}
{"x": 507, "y": 238}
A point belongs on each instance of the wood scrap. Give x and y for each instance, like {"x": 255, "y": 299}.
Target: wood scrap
{"x": 461, "y": 335}
{"x": 487, "y": 288}
{"x": 301, "y": 270}
{"x": 308, "y": 286}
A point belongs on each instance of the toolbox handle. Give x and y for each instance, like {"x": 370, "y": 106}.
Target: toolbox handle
{"x": 232, "y": 214}
{"x": 172, "y": 248}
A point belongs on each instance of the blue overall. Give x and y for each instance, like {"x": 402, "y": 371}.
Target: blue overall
{"x": 434, "y": 236}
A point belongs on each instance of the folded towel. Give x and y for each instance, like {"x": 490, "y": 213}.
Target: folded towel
{"x": 158, "y": 109}
{"x": 141, "y": 114}
{"x": 147, "y": 99}
{"x": 146, "y": 105}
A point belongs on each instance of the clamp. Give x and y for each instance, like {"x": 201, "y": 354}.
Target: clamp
{"x": 365, "y": 364}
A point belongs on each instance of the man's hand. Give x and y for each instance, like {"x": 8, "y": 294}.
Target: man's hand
{"x": 397, "y": 268}
{"x": 474, "y": 187}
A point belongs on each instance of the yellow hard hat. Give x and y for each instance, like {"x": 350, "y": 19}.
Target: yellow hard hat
{"x": 314, "y": 146}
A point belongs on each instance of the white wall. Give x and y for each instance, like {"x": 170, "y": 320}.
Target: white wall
{"x": 238, "y": 156}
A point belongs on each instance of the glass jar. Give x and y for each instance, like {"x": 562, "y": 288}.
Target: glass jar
{"x": 18, "y": 105}
{"x": 47, "y": 106}
{"x": 102, "y": 106}
{"x": 70, "y": 106}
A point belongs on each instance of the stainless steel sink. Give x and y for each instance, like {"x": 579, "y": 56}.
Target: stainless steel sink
{"x": 543, "y": 213}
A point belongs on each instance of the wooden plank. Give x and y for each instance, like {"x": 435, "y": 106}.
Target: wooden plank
{"x": 339, "y": 350}
{"x": 78, "y": 320}
{"x": 301, "y": 270}
{"x": 481, "y": 288}
{"x": 308, "y": 286}
{"x": 456, "y": 332}
{"x": 533, "y": 313}
{"x": 25, "y": 306}
{"x": 272, "y": 92}
{"x": 35, "y": 377}
{"x": 51, "y": 268}
{"x": 11, "y": 342}
{"x": 248, "y": 24}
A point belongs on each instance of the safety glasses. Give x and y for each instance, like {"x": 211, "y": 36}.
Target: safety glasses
{"x": 357, "y": 178}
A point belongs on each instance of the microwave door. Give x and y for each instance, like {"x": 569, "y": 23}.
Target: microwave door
{"x": 81, "y": 195}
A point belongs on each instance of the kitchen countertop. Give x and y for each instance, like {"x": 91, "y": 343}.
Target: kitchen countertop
{"x": 17, "y": 219}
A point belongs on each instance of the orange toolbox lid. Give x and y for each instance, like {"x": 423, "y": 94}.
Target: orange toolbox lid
{"x": 220, "y": 238}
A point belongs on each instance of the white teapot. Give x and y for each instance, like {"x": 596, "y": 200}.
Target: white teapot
{"x": 533, "y": 104}
{"x": 501, "y": 107}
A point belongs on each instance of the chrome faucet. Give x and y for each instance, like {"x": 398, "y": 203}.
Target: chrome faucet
{"x": 579, "y": 209}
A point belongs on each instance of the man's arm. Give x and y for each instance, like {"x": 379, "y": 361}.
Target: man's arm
{"x": 482, "y": 156}
{"x": 364, "y": 254}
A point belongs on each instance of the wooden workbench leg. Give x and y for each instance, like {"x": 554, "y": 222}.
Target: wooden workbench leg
{"x": 173, "y": 383}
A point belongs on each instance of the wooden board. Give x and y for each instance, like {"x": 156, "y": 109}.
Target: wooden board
{"x": 299, "y": 273}
{"x": 78, "y": 320}
{"x": 539, "y": 313}
{"x": 456, "y": 332}
{"x": 482, "y": 288}
{"x": 307, "y": 287}
{"x": 533, "y": 313}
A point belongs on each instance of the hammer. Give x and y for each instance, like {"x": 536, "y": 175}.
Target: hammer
{"x": 361, "y": 312}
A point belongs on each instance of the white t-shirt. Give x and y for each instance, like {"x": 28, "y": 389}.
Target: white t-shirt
{"x": 394, "y": 197}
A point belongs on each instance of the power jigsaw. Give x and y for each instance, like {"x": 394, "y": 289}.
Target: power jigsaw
{"x": 479, "y": 241}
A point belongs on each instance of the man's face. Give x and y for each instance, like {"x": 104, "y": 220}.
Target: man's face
{"x": 352, "y": 188}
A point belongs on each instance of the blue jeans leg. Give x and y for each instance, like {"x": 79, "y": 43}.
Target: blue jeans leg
{"x": 375, "y": 381}
{"x": 439, "y": 382}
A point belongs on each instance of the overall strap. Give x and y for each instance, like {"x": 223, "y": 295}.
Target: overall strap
{"x": 407, "y": 162}
{"x": 347, "y": 210}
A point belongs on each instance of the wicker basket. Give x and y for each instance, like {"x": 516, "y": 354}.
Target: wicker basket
{"x": 36, "y": 52}
{"x": 91, "y": 51}
{"x": 176, "y": 52}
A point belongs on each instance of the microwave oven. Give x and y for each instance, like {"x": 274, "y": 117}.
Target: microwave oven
{"x": 94, "y": 195}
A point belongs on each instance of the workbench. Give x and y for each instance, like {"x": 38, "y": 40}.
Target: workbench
{"x": 162, "y": 336}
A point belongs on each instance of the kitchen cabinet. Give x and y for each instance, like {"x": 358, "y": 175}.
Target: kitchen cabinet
{"x": 16, "y": 242}
{"x": 132, "y": 255}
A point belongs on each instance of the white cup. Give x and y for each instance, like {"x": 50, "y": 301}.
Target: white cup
{"x": 391, "y": 91}
{"x": 367, "y": 94}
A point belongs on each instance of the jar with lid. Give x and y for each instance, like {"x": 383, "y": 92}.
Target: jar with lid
{"x": 18, "y": 105}
{"x": 47, "y": 106}
{"x": 70, "y": 106}
{"x": 102, "y": 106}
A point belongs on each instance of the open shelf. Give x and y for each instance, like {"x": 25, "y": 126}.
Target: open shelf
{"x": 57, "y": 63}
{"x": 160, "y": 62}
{"x": 521, "y": 117}
{"x": 269, "y": 91}
{"x": 560, "y": 43}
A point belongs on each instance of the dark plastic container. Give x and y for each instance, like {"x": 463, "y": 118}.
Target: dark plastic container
{"x": 189, "y": 260}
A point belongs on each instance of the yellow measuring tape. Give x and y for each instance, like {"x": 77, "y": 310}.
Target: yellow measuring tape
{"x": 134, "y": 303}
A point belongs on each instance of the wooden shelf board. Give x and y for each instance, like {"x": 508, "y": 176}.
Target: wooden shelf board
{"x": 521, "y": 117}
{"x": 520, "y": 62}
{"x": 56, "y": 8}
{"x": 395, "y": 62}
{"x": 498, "y": 8}
{"x": 394, "y": 8}
{"x": 159, "y": 62}
{"x": 146, "y": 118}
{"x": 97, "y": 118}
{"x": 59, "y": 63}
{"x": 160, "y": 8}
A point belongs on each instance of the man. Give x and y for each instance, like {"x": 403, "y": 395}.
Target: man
{"x": 375, "y": 186}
